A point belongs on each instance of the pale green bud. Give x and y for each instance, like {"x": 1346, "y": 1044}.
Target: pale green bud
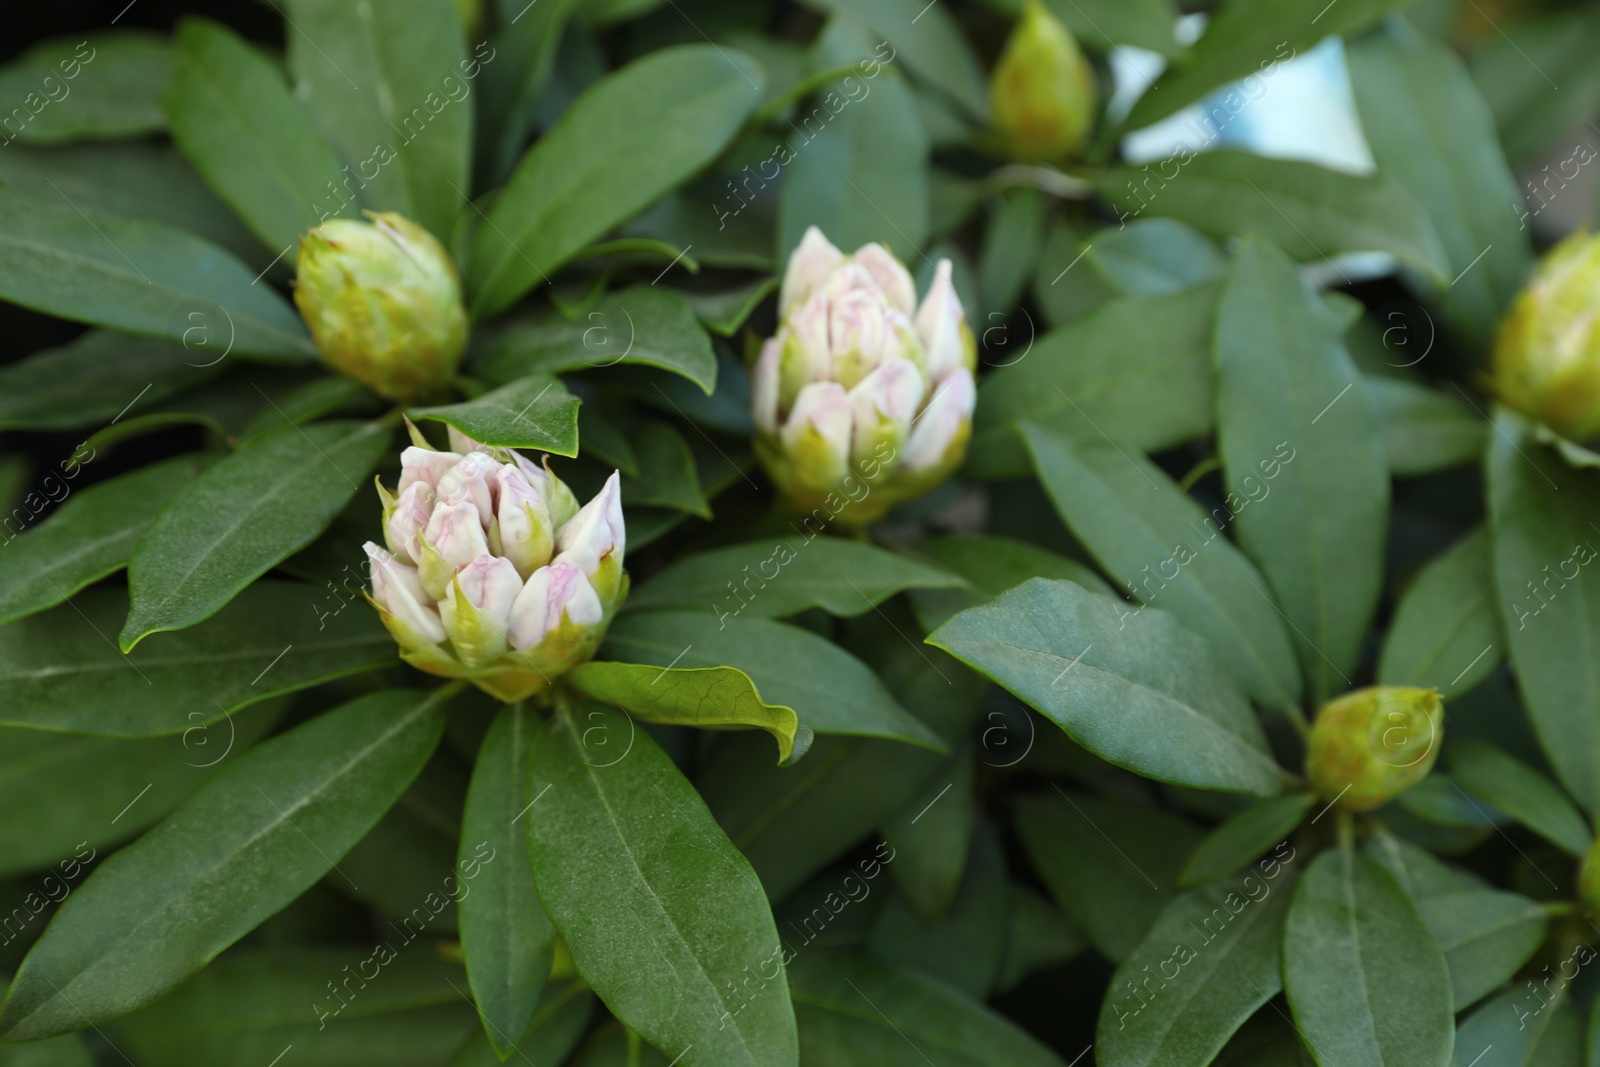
{"x": 1547, "y": 355}
{"x": 494, "y": 574}
{"x": 383, "y": 303}
{"x": 1042, "y": 93}
{"x": 1369, "y": 746}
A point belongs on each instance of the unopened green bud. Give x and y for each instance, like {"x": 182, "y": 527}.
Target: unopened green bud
{"x": 383, "y": 303}
{"x": 1547, "y": 356}
{"x": 1371, "y": 745}
{"x": 1042, "y": 94}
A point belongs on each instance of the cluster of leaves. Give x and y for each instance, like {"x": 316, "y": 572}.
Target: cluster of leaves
{"x": 1206, "y": 492}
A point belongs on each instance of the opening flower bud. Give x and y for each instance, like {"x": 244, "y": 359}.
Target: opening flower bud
{"x": 1042, "y": 94}
{"x": 383, "y": 303}
{"x": 1369, "y": 746}
{"x": 1547, "y": 355}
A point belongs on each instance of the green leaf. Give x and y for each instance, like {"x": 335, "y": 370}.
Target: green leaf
{"x": 667, "y": 474}
{"x": 1268, "y": 1039}
{"x": 1076, "y": 656}
{"x": 1309, "y": 211}
{"x": 1429, "y": 130}
{"x": 1111, "y": 867}
{"x": 1522, "y": 793}
{"x": 858, "y": 170}
{"x": 241, "y": 518}
{"x": 785, "y": 576}
{"x": 1010, "y": 248}
{"x": 930, "y": 838}
{"x": 91, "y": 535}
{"x": 1284, "y": 382}
{"x": 390, "y": 84}
{"x": 1423, "y": 430}
{"x": 131, "y": 179}
{"x": 1446, "y": 632}
{"x": 142, "y": 278}
{"x": 965, "y": 947}
{"x": 929, "y": 43}
{"x": 1137, "y": 523}
{"x": 1542, "y": 517}
{"x": 1139, "y": 368}
{"x": 512, "y": 88}
{"x": 682, "y": 915}
{"x": 709, "y": 698}
{"x": 94, "y": 380}
{"x": 506, "y": 938}
{"x": 1511, "y": 70}
{"x": 830, "y": 690}
{"x": 1152, "y": 256}
{"x": 250, "y": 1005}
{"x": 604, "y": 440}
{"x": 557, "y": 1027}
{"x": 249, "y": 841}
{"x": 1209, "y": 962}
{"x": 532, "y": 412}
{"x": 853, "y": 1012}
{"x": 121, "y": 97}
{"x": 1104, "y": 24}
{"x": 724, "y": 312}
{"x": 1243, "y": 837}
{"x": 61, "y": 670}
{"x": 1367, "y": 982}
{"x": 1041, "y": 936}
{"x": 1519, "y": 1029}
{"x": 69, "y": 1050}
{"x": 990, "y": 566}
{"x": 676, "y": 107}
{"x": 232, "y": 116}
{"x": 1247, "y": 38}
{"x": 644, "y": 324}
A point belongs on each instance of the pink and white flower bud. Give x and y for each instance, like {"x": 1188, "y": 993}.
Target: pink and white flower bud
{"x": 859, "y": 330}
{"x": 425, "y": 465}
{"x": 817, "y": 435}
{"x": 805, "y": 352}
{"x": 460, "y": 442}
{"x": 883, "y": 404}
{"x": 553, "y": 591}
{"x": 409, "y": 518}
{"x": 890, "y": 274}
{"x": 476, "y": 610}
{"x": 594, "y": 541}
{"x": 809, "y": 266}
{"x": 454, "y": 538}
{"x": 764, "y": 386}
{"x": 942, "y": 328}
{"x": 527, "y": 535}
{"x": 399, "y": 592}
{"x": 471, "y": 482}
{"x": 944, "y": 425}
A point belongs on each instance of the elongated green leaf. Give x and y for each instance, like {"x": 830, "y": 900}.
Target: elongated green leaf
{"x": 1010, "y": 248}
{"x": 1151, "y": 256}
{"x": 1078, "y": 657}
{"x": 533, "y": 412}
{"x": 830, "y": 690}
{"x": 95, "y": 379}
{"x": 1446, "y": 633}
{"x": 130, "y": 179}
{"x": 1430, "y": 130}
{"x": 1286, "y": 391}
{"x": 1249, "y": 37}
{"x": 645, "y": 324}
{"x": 990, "y": 566}
{"x": 714, "y": 698}
{"x": 1111, "y": 867}
{"x": 91, "y": 535}
{"x": 930, "y": 838}
{"x": 1214, "y": 955}
{"x": 682, "y": 915}
{"x": 1522, "y": 793}
{"x": 1367, "y": 982}
{"x": 1511, "y": 71}
{"x": 1041, "y": 936}
{"x": 102, "y": 86}
{"x": 61, "y": 670}
{"x": 859, "y": 170}
{"x": 1310, "y": 212}
{"x": 1423, "y": 430}
{"x": 250, "y": 1006}
{"x": 1520, "y": 1029}
{"x": 856, "y": 1013}
{"x": 143, "y": 278}
{"x": 390, "y": 84}
{"x": 1139, "y": 368}
{"x": 1138, "y": 523}
{"x": 668, "y": 476}
{"x": 1245, "y": 836}
{"x": 243, "y": 517}
{"x": 248, "y": 842}
{"x": 555, "y": 1031}
{"x": 525, "y": 43}
{"x": 785, "y": 576}
{"x": 1542, "y": 517}
{"x": 677, "y": 107}
{"x": 929, "y": 44}
{"x": 724, "y": 312}
{"x": 233, "y": 117}
{"x": 506, "y": 938}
